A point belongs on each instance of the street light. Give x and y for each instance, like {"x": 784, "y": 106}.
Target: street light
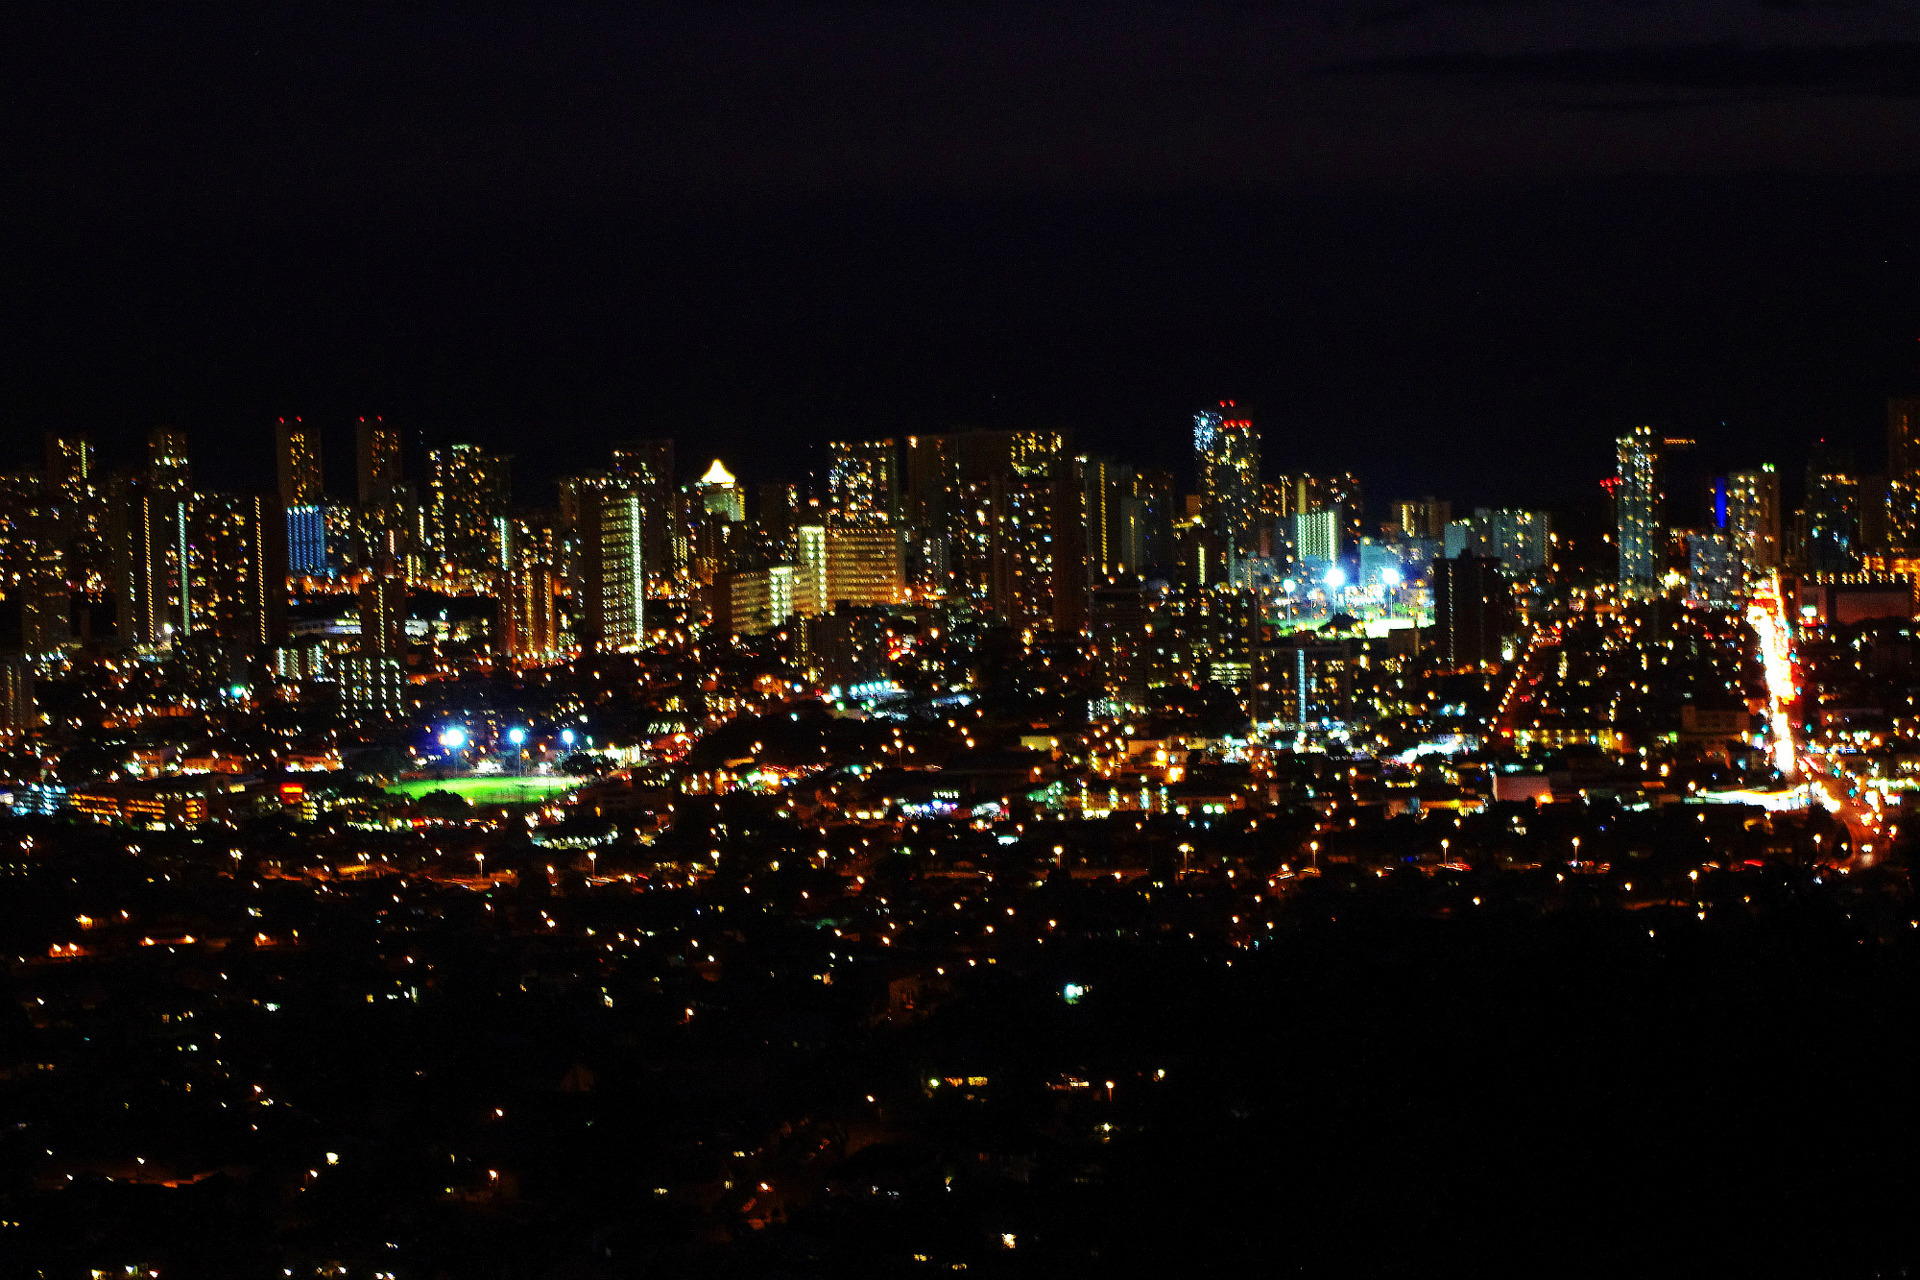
{"x": 453, "y": 737}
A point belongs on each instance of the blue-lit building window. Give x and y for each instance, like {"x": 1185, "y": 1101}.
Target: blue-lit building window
{"x": 307, "y": 542}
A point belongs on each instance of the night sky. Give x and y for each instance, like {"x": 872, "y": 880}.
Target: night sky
{"x": 1453, "y": 247}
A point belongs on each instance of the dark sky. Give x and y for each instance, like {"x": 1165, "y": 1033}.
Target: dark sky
{"x": 1454, "y": 247}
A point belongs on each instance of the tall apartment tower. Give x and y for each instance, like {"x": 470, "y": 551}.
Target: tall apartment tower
{"x": 377, "y": 459}
{"x": 1903, "y": 473}
{"x": 297, "y": 452}
{"x": 70, "y": 465}
{"x": 167, "y": 460}
{"x": 383, "y": 617}
{"x": 239, "y": 569}
{"x": 1226, "y": 453}
{"x": 1423, "y": 517}
{"x": 646, "y": 467}
{"x": 529, "y": 613}
{"x": 622, "y": 578}
{"x": 1753, "y": 522}
{"x": 1469, "y": 609}
{"x": 863, "y": 478}
{"x": 1115, "y": 524}
{"x": 1831, "y": 543}
{"x": 471, "y": 498}
{"x": 1637, "y": 502}
{"x": 147, "y": 529}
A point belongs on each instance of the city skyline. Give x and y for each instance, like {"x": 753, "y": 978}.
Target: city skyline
{"x": 796, "y": 641}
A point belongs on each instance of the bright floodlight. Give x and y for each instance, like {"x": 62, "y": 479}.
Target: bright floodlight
{"x": 1390, "y": 576}
{"x": 566, "y": 737}
{"x": 1336, "y": 578}
{"x": 453, "y": 737}
{"x": 517, "y": 735}
{"x": 1289, "y": 586}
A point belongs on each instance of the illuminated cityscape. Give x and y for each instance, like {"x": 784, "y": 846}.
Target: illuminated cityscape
{"x": 797, "y": 642}
{"x": 895, "y": 738}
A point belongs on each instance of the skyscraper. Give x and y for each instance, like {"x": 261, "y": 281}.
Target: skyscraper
{"x": 1831, "y": 542}
{"x": 377, "y": 455}
{"x": 720, "y": 494}
{"x": 646, "y": 467}
{"x": 863, "y": 477}
{"x": 623, "y": 575}
{"x": 1422, "y": 517}
{"x": 1316, "y": 537}
{"x": 389, "y": 535}
{"x": 167, "y": 460}
{"x": 373, "y": 680}
{"x": 239, "y": 569}
{"x": 529, "y": 613}
{"x": 297, "y": 451}
{"x": 383, "y": 617}
{"x": 866, "y": 560}
{"x": 1637, "y": 501}
{"x": 1470, "y": 609}
{"x": 1753, "y": 522}
{"x": 1903, "y": 473}
{"x": 1226, "y": 451}
{"x": 148, "y": 533}
{"x": 471, "y": 496}
{"x": 1115, "y": 536}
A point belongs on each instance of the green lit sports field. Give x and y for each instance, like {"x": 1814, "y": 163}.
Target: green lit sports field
{"x": 494, "y": 789}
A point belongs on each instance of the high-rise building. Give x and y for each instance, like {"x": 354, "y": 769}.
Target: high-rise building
{"x": 622, "y": 572}
{"x": 720, "y": 494}
{"x": 1117, "y": 613}
{"x": 811, "y": 591}
{"x": 70, "y": 467}
{"x": 377, "y": 459}
{"x": 1302, "y": 681}
{"x": 1153, "y": 488}
{"x": 1521, "y": 540}
{"x": 1471, "y": 607}
{"x": 1903, "y": 473}
{"x": 1226, "y": 451}
{"x": 239, "y": 569}
{"x": 645, "y": 467}
{"x": 529, "y": 607}
{"x": 18, "y": 714}
{"x": 1422, "y": 517}
{"x": 297, "y": 451}
{"x": 471, "y": 497}
{"x": 752, "y": 602}
{"x": 1002, "y": 516}
{"x": 149, "y": 536}
{"x": 1114, "y": 516}
{"x": 1753, "y": 522}
{"x": 1713, "y": 569}
{"x": 863, "y": 478}
{"x": 776, "y": 512}
{"x": 1316, "y": 537}
{"x": 78, "y": 524}
{"x": 383, "y": 616}
{"x": 1831, "y": 541}
{"x": 308, "y": 542}
{"x": 866, "y": 560}
{"x": 1638, "y": 499}
{"x": 167, "y": 461}
{"x": 389, "y": 537}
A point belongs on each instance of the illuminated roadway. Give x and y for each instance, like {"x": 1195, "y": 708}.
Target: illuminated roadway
{"x": 1766, "y": 613}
